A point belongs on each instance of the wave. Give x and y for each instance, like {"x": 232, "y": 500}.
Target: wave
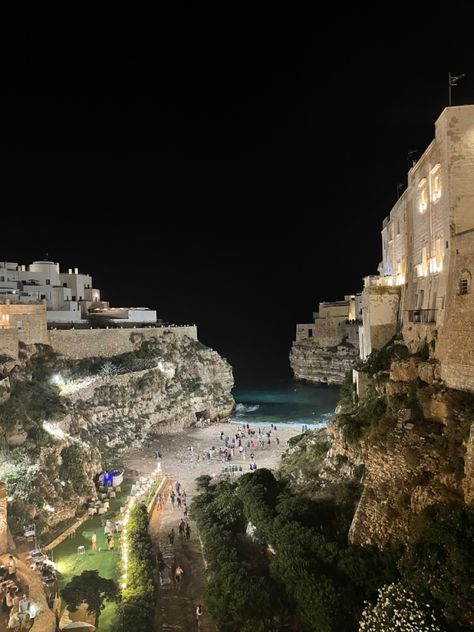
{"x": 245, "y": 408}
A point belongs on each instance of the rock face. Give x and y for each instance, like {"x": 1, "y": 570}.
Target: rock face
{"x": 61, "y": 418}
{"x": 321, "y": 365}
{"x": 410, "y": 443}
{"x": 191, "y": 384}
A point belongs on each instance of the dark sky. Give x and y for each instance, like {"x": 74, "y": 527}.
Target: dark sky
{"x": 227, "y": 167}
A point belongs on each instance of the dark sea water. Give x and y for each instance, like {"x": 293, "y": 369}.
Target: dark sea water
{"x": 285, "y": 402}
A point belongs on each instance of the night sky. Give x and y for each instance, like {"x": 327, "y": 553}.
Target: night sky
{"x": 226, "y": 167}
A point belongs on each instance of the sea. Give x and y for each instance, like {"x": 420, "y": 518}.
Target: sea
{"x": 285, "y": 402}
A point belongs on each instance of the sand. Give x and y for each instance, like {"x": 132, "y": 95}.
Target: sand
{"x": 180, "y": 463}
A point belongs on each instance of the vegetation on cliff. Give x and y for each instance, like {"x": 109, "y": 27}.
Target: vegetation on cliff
{"x": 274, "y": 560}
{"x": 370, "y": 510}
{"x": 62, "y": 420}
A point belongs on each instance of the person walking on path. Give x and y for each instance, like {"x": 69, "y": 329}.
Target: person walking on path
{"x": 171, "y": 535}
{"x": 172, "y": 498}
{"x": 94, "y": 541}
{"x": 188, "y": 531}
{"x": 198, "y": 615}
{"x": 178, "y": 574}
{"x": 182, "y": 527}
{"x": 174, "y": 566}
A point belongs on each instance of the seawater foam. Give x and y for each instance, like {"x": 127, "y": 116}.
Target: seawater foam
{"x": 246, "y": 408}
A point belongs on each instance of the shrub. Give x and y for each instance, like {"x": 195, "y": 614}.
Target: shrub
{"x": 439, "y": 562}
{"x": 396, "y": 609}
{"x": 138, "y": 598}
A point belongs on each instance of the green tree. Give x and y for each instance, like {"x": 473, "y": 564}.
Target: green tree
{"x": 90, "y": 588}
{"x": 439, "y": 562}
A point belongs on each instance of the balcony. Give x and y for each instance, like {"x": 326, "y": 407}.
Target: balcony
{"x": 422, "y": 315}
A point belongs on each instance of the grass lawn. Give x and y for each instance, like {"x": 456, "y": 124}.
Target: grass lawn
{"x": 69, "y": 563}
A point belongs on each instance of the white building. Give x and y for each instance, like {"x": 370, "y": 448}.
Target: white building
{"x": 69, "y": 297}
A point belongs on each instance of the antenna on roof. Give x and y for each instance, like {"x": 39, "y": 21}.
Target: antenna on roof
{"x": 453, "y": 81}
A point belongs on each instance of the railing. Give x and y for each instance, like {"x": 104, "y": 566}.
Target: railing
{"x": 422, "y": 315}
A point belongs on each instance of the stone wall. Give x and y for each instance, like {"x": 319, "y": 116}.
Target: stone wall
{"x": 27, "y": 324}
{"x": 380, "y": 317}
{"x": 9, "y": 340}
{"x": 329, "y": 332}
{"x": 86, "y": 343}
{"x": 455, "y": 348}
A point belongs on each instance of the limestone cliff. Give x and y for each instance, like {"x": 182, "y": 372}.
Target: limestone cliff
{"x": 62, "y": 418}
{"x": 409, "y": 443}
{"x": 329, "y": 365}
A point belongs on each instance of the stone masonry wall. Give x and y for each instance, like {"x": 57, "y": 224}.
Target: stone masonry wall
{"x": 9, "y": 343}
{"x": 455, "y": 348}
{"x": 86, "y": 343}
{"x": 328, "y": 332}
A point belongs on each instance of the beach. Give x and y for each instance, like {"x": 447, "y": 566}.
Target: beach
{"x": 184, "y": 454}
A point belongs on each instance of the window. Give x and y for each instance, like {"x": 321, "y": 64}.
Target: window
{"x": 310, "y": 333}
{"x": 43, "y": 295}
{"x": 422, "y": 196}
{"x": 64, "y": 284}
{"x": 19, "y": 325}
{"x": 465, "y": 282}
{"x": 435, "y": 184}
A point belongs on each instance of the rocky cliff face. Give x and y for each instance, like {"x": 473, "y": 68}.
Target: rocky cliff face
{"x": 414, "y": 438}
{"x": 410, "y": 444}
{"x": 61, "y": 418}
{"x": 321, "y": 365}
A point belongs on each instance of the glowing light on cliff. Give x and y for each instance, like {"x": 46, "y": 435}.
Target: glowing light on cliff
{"x": 58, "y": 380}
{"x": 54, "y": 430}
{"x": 167, "y": 369}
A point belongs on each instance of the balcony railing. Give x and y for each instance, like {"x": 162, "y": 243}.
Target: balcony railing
{"x": 422, "y": 315}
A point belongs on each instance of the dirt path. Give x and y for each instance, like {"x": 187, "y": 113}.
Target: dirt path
{"x": 176, "y": 608}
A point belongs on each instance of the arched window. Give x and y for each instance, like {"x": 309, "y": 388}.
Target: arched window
{"x": 465, "y": 282}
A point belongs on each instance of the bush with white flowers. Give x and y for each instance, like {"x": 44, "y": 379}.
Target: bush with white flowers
{"x": 397, "y": 610}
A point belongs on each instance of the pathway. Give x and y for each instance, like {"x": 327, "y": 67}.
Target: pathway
{"x": 177, "y": 604}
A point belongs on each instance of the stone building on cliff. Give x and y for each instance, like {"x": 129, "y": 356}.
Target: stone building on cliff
{"x": 325, "y": 349}
{"x": 424, "y": 286}
{"x": 41, "y": 305}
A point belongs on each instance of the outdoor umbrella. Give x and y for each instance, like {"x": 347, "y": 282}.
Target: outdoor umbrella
{"x": 79, "y": 625}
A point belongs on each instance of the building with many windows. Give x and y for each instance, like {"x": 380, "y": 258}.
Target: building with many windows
{"x": 424, "y": 281}
{"x": 70, "y": 297}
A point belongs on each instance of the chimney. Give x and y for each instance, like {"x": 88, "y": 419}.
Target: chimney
{"x": 69, "y": 271}
{"x": 76, "y": 270}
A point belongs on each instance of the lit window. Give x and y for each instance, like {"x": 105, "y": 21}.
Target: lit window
{"x": 422, "y": 196}
{"x": 435, "y": 184}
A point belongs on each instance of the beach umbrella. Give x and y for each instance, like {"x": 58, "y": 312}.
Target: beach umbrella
{"x": 79, "y": 625}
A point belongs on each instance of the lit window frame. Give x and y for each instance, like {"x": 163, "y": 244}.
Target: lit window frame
{"x": 422, "y": 196}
